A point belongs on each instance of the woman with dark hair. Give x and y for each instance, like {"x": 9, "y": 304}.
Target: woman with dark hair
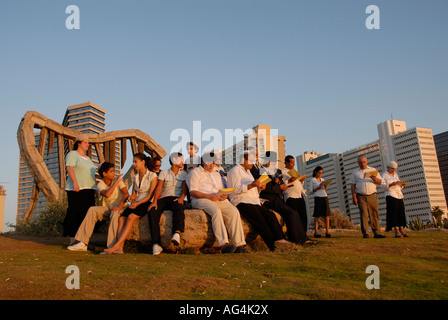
{"x": 80, "y": 186}
{"x": 318, "y": 187}
{"x": 143, "y": 184}
{"x": 294, "y": 194}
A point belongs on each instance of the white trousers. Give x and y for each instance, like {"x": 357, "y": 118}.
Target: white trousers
{"x": 94, "y": 214}
{"x": 226, "y": 220}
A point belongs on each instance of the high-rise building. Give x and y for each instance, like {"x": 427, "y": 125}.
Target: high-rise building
{"x": 413, "y": 150}
{"x": 86, "y": 118}
{"x": 441, "y": 143}
{"x": 261, "y": 139}
{"x": 2, "y": 207}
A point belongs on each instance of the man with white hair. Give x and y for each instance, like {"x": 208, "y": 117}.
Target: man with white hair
{"x": 204, "y": 184}
{"x": 363, "y": 187}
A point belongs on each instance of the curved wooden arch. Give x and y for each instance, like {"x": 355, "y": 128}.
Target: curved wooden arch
{"x": 104, "y": 144}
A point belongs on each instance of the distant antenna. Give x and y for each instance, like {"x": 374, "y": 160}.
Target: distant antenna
{"x": 391, "y": 117}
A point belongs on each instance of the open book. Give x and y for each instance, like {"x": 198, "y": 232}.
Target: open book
{"x": 293, "y": 173}
{"x": 368, "y": 174}
{"x": 326, "y": 183}
{"x": 401, "y": 183}
{"x": 226, "y": 191}
{"x": 264, "y": 179}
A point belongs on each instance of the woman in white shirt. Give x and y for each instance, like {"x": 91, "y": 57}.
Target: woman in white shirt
{"x": 144, "y": 184}
{"x": 395, "y": 213}
{"x": 293, "y": 196}
{"x": 321, "y": 205}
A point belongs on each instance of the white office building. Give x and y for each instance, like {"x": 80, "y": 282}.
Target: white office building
{"x": 413, "y": 150}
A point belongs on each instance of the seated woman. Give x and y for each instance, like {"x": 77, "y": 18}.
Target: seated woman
{"x": 144, "y": 183}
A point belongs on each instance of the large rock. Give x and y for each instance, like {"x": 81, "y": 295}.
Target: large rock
{"x": 198, "y": 230}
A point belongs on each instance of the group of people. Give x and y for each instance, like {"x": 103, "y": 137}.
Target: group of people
{"x": 202, "y": 183}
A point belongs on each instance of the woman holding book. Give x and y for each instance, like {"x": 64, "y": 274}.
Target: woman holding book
{"x": 395, "y": 213}
{"x": 318, "y": 187}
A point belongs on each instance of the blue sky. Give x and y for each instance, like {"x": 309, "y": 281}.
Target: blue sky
{"x": 310, "y": 69}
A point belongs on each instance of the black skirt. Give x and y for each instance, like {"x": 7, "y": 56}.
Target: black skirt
{"x": 78, "y": 204}
{"x": 395, "y": 214}
{"x": 140, "y": 211}
{"x": 321, "y": 207}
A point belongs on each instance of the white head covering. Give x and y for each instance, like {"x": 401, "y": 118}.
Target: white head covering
{"x": 392, "y": 164}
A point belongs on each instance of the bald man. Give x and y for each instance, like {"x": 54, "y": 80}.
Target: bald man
{"x": 364, "y": 196}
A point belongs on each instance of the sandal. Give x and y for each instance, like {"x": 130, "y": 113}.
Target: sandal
{"x": 398, "y": 235}
{"x": 405, "y": 235}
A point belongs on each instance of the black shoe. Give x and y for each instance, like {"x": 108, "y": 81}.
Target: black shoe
{"x": 228, "y": 249}
{"x": 379, "y": 236}
{"x": 327, "y": 235}
{"x": 365, "y": 235}
{"x": 242, "y": 249}
{"x": 316, "y": 235}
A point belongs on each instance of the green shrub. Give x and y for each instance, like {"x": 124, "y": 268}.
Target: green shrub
{"x": 48, "y": 222}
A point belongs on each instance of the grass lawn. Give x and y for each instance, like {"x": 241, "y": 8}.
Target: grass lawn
{"x": 410, "y": 268}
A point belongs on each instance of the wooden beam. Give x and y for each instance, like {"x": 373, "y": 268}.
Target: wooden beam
{"x": 107, "y": 151}
{"x": 51, "y": 135}
{"x": 141, "y": 146}
{"x": 134, "y": 146}
{"x": 123, "y": 152}
{"x": 112, "y": 152}
{"x": 61, "y": 158}
{"x": 99, "y": 152}
{"x": 42, "y": 141}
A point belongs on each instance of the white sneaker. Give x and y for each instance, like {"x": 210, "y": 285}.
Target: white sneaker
{"x": 176, "y": 239}
{"x": 156, "y": 249}
{"x": 80, "y": 246}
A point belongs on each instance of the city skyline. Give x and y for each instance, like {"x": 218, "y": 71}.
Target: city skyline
{"x": 311, "y": 70}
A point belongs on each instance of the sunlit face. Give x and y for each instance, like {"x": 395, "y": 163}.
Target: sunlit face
{"x": 84, "y": 145}
{"x": 362, "y": 163}
{"x": 191, "y": 150}
{"x": 109, "y": 174}
{"x": 208, "y": 166}
{"x": 138, "y": 164}
{"x": 249, "y": 162}
{"x": 391, "y": 170}
{"x": 157, "y": 165}
{"x": 290, "y": 164}
{"x": 179, "y": 161}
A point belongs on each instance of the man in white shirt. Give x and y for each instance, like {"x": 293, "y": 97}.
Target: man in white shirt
{"x": 169, "y": 194}
{"x": 114, "y": 195}
{"x": 204, "y": 184}
{"x": 246, "y": 198}
{"x": 364, "y": 195}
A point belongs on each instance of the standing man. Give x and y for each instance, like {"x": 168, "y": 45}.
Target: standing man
{"x": 363, "y": 186}
{"x": 204, "y": 184}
